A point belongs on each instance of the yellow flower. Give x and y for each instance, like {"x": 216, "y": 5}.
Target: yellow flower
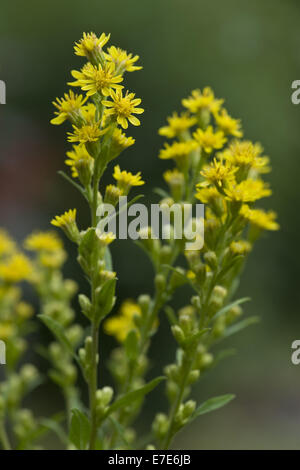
{"x": 209, "y": 140}
{"x": 123, "y": 108}
{"x": 207, "y": 195}
{"x": 77, "y": 157}
{"x": 68, "y": 107}
{"x": 218, "y": 173}
{"x": 120, "y": 325}
{"x": 89, "y": 113}
{"x": 7, "y": 330}
{"x": 122, "y": 60}
{"x": 177, "y": 125}
{"x": 68, "y": 218}
{"x": 198, "y": 101}
{"x": 177, "y": 150}
{"x": 120, "y": 141}
{"x": 17, "y": 268}
{"x": 112, "y": 194}
{"x": 260, "y": 218}
{"x": 53, "y": 260}
{"x": 227, "y": 124}
{"x": 86, "y": 133}
{"x": 173, "y": 176}
{"x": 245, "y": 154}
{"x": 97, "y": 79}
{"x": 24, "y": 310}
{"x": 89, "y": 43}
{"x": 125, "y": 179}
{"x": 248, "y": 191}
{"x": 240, "y": 247}
{"x": 43, "y": 241}
{"x": 106, "y": 238}
{"x": 7, "y": 245}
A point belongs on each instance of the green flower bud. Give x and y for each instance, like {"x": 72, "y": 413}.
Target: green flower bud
{"x": 160, "y": 425}
{"x": 144, "y": 302}
{"x": 211, "y": 259}
{"x": 193, "y": 376}
{"x": 178, "y": 334}
{"x": 160, "y": 282}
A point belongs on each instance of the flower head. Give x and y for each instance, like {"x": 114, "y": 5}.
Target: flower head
{"x": 123, "y": 108}
{"x": 247, "y": 191}
{"x": 240, "y": 247}
{"x": 43, "y": 241}
{"x": 97, "y": 79}
{"x": 120, "y": 325}
{"x": 86, "y": 133}
{"x": 177, "y": 124}
{"x": 7, "y": 245}
{"x": 259, "y": 218}
{"x": 125, "y": 179}
{"x": 245, "y": 154}
{"x": 178, "y": 150}
{"x": 227, "y": 124}
{"x": 173, "y": 176}
{"x": 218, "y": 173}
{"x": 90, "y": 43}
{"x": 209, "y": 140}
{"x": 77, "y": 158}
{"x": 68, "y": 107}
{"x": 15, "y": 269}
{"x": 122, "y": 60}
{"x": 120, "y": 141}
{"x": 67, "y": 218}
{"x": 207, "y": 194}
{"x": 106, "y": 238}
{"x": 202, "y": 100}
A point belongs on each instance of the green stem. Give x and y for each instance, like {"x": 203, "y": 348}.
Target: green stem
{"x": 4, "y": 437}
{"x": 93, "y": 385}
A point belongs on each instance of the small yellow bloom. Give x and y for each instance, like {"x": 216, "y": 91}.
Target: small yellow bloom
{"x": 227, "y": 124}
{"x": 240, "y": 247}
{"x": 178, "y": 150}
{"x": 125, "y": 179}
{"x": 86, "y": 133}
{"x": 43, "y": 241}
{"x": 177, "y": 125}
{"x": 89, "y": 43}
{"x": 53, "y": 260}
{"x": 123, "y": 107}
{"x": 122, "y": 60}
{"x": 24, "y": 310}
{"x": 97, "y": 79}
{"x": 77, "y": 157}
{"x": 106, "y": 238}
{"x": 207, "y": 194}
{"x": 89, "y": 113}
{"x": 17, "y": 268}
{"x": 259, "y": 218}
{"x": 199, "y": 101}
{"x": 209, "y": 140}
{"x": 120, "y": 325}
{"x": 248, "y": 191}
{"x": 68, "y": 107}
{"x": 245, "y": 154}
{"x": 7, "y": 245}
{"x": 68, "y": 218}
{"x": 112, "y": 194}
{"x": 218, "y": 173}
{"x": 120, "y": 141}
{"x": 173, "y": 176}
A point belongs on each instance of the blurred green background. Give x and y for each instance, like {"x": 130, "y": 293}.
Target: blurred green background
{"x": 249, "y": 52}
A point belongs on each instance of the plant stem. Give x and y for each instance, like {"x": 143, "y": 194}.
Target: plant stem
{"x": 4, "y": 437}
{"x": 93, "y": 385}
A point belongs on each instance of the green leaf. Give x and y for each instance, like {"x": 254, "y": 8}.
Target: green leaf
{"x": 161, "y": 192}
{"x": 121, "y": 431}
{"x": 108, "y": 260}
{"x": 171, "y": 315}
{"x": 211, "y": 405}
{"x": 55, "y": 427}
{"x": 134, "y": 395}
{"x": 58, "y": 331}
{"x": 229, "y": 306}
{"x": 79, "y": 429}
{"x": 73, "y": 183}
{"x": 105, "y": 299}
{"x": 240, "y": 326}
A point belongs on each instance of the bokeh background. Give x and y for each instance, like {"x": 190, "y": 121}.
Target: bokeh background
{"x": 249, "y": 52}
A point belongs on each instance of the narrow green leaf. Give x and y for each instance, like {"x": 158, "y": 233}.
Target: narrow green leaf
{"x": 55, "y": 427}
{"x": 161, "y": 192}
{"x": 240, "y": 326}
{"x": 229, "y": 306}
{"x": 73, "y": 183}
{"x": 212, "y": 404}
{"x": 134, "y": 395}
{"x": 58, "y": 331}
{"x": 79, "y": 429}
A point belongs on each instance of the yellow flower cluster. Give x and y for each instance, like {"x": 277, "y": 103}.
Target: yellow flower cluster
{"x": 120, "y": 325}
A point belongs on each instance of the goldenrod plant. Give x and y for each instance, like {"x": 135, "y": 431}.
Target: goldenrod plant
{"x": 212, "y": 166}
